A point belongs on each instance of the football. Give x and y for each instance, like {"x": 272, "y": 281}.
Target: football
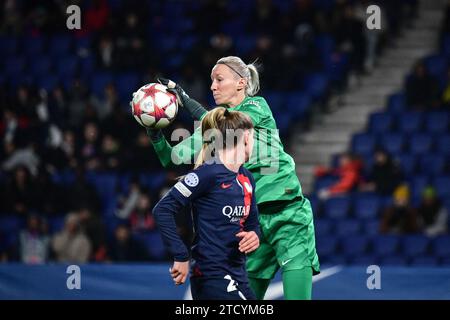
{"x": 153, "y": 106}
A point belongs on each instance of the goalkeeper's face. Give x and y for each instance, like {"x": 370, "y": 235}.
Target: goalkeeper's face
{"x": 227, "y": 86}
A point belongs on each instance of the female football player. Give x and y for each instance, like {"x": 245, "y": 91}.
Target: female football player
{"x": 285, "y": 215}
{"x": 224, "y": 211}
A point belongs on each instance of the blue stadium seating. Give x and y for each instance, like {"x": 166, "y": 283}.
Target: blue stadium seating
{"x": 323, "y": 227}
{"x": 365, "y": 260}
{"x": 443, "y": 144}
{"x": 337, "y": 207}
{"x": 441, "y": 246}
{"x": 396, "y": 103}
{"x": 392, "y": 142}
{"x": 347, "y": 227}
{"x": 354, "y": 245}
{"x": 59, "y": 45}
{"x": 414, "y": 245}
{"x": 442, "y": 185}
{"x": 408, "y": 164}
{"x": 420, "y": 143}
{"x": 371, "y": 227}
{"x": 380, "y": 122}
{"x": 432, "y": 164}
{"x": 363, "y": 143}
{"x": 437, "y": 122}
{"x": 393, "y": 260}
{"x": 326, "y": 245}
{"x": 316, "y": 85}
{"x": 385, "y": 245}
{"x": 410, "y": 122}
{"x": 429, "y": 261}
{"x": 435, "y": 64}
{"x": 366, "y": 206}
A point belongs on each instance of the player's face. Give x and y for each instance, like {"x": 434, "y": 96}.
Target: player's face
{"x": 226, "y": 85}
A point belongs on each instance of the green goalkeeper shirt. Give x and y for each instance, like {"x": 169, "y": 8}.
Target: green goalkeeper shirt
{"x": 272, "y": 168}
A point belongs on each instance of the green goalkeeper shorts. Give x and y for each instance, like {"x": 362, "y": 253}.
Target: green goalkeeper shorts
{"x": 287, "y": 239}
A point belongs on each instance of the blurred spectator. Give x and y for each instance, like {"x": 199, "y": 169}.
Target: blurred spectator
{"x": 34, "y": 242}
{"x": 92, "y": 226}
{"x": 90, "y": 147}
{"x": 105, "y": 105}
{"x": 49, "y": 198}
{"x": 21, "y": 193}
{"x": 422, "y": 89}
{"x": 141, "y": 218}
{"x": 432, "y": 214}
{"x": 127, "y": 203}
{"x": 131, "y": 45}
{"x": 385, "y": 175}
{"x": 81, "y": 194}
{"x": 106, "y": 52}
{"x": 71, "y": 244}
{"x": 110, "y": 154}
{"x": 400, "y": 217}
{"x": 142, "y": 158}
{"x": 26, "y": 157}
{"x": 125, "y": 248}
{"x": 348, "y": 174}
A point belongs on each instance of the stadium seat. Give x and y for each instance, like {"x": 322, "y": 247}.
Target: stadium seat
{"x": 47, "y": 82}
{"x": 442, "y": 185}
{"x": 337, "y": 207}
{"x": 392, "y": 142}
{"x": 420, "y": 143}
{"x": 437, "y": 122}
{"x": 34, "y": 46}
{"x": 323, "y": 227}
{"x": 354, "y": 245}
{"x": 126, "y": 84}
{"x": 407, "y": 163}
{"x": 366, "y": 206}
{"x": 316, "y": 85}
{"x": 435, "y": 64}
{"x": 347, "y": 227}
{"x": 410, "y": 122}
{"x": 414, "y": 245}
{"x": 56, "y": 224}
{"x": 10, "y": 224}
{"x": 363, "y": 144}
{"x": 429, "y": 261}
{"x": 396, "y": 103}
{"x": 393, "y": 260}
{"x": 380, "y": 122}
{"x": 441, "y": 246}
{"x": 99, "y": 82}
{"x": 443, "y": 144}
{"x": 14, "y": 66}
{"x": 326, "y": 245}
{"x": 417, "y": 183}
{"x": 59, "y": 45}
{"x": 41, "y": 66}
{"x": 8, "y": 45}
{"x": 364, "y": 260}
{"x": 298, "y": 104}
{"x": 385, "y": 245}
{"x": 371, "y": 227}
{"x": 432, "y": 164}
{"x": 67, "y": 66}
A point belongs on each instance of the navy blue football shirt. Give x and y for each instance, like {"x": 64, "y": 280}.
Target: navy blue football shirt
{"x": 223, "y": 204}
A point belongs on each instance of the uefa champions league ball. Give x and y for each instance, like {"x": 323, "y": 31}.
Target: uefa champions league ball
{"x": 153, "y": 106}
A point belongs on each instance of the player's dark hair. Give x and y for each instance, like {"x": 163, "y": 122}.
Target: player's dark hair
{"x": 216, "y": 125}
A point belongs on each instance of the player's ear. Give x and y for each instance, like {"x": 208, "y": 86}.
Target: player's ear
{"x": 242, "y": 83}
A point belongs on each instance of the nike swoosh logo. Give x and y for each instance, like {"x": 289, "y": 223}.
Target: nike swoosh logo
{"x": 284, "y": 262}
{"x": 225, "y": 186}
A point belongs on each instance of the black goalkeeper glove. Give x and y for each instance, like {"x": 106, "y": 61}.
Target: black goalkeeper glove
{"x": 194, "y": 108}
{"x": 154, "y": 134}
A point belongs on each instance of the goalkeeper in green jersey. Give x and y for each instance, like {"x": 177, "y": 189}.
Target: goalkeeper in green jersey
{"x": 285, "y": 215}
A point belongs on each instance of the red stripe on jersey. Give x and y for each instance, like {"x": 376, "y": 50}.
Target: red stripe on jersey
{"x": 247, "y": 188}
